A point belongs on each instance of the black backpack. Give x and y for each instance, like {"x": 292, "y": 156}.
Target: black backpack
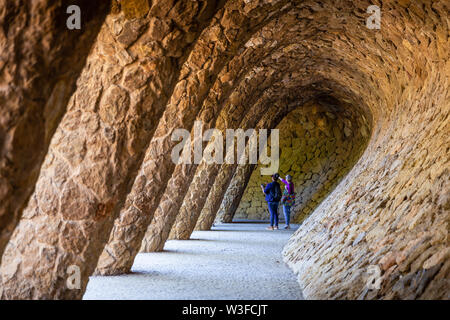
{"x": 275, "y": 193}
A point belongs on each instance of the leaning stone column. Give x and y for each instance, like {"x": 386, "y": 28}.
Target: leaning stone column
{"x": 193, "y": 201}
{"x": 212, "y": 204}
{"x": 234, "y": 193}
{"x": 40, "y": 61}
{"x": 97, "y": 149}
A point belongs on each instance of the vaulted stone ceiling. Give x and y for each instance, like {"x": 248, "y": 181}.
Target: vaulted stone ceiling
{"x": 88, "y": 168}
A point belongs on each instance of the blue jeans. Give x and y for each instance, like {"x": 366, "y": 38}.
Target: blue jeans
{"x": 273, "y": 209}
{"x": 287, "y": 214}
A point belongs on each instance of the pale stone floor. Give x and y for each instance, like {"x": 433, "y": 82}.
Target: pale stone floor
{"x": 234, "y": 261}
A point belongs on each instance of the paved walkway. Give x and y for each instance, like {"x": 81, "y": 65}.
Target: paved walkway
{"x": 234, "y": 261}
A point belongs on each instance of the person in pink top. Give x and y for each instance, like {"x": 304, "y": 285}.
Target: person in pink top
{"x": 288, "y": 199}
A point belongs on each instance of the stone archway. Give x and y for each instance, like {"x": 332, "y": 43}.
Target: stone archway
{"x": 99, "y": 169}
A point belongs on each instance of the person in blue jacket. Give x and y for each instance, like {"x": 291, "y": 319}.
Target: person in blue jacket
{"x": 273, "y": 196}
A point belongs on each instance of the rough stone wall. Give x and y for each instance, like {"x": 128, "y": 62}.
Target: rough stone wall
{"x": 212, "y": 203}
{"x": 392, "y": 210}
{"x": 318, "y": 146}
{"x": 234, "y": 193}
{"x": 40, "y": 60}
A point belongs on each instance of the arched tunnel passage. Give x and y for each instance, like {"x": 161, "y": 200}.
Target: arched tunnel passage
{"x": 319, "y": 143}
{"x": 108, "y": 183}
